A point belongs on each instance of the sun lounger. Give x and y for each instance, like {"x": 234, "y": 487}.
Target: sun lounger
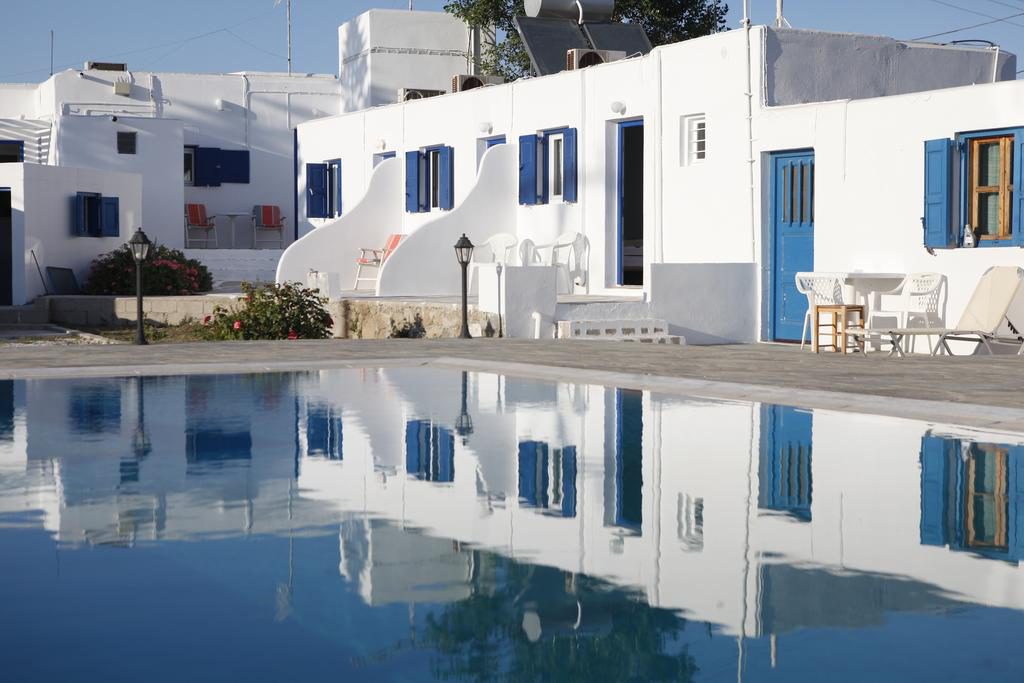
{"x": 981, "y": 322}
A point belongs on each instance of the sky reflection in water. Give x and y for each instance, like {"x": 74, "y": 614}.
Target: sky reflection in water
{"x": 422, "y": 524}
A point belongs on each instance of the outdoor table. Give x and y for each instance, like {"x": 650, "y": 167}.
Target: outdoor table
{"x": 867, "y": 286}
{"x": 232, "y": 215}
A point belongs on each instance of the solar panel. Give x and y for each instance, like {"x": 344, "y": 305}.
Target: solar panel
{"x": 547, "y": 41}
{"x": 629, "y": 38}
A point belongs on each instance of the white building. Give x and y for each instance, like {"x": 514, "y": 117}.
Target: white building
{"x": 670, "y": 172}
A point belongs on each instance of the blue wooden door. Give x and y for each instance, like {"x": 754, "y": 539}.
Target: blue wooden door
{"x": 792, "y": 210}
{"x": 785, "y": 474}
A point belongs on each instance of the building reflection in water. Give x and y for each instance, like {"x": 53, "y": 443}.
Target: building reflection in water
{"x": 571, "y": 515}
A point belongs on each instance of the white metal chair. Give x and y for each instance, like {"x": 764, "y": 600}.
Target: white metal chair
{"x": 821, "y": 289}
{"x": 920, "y": 304}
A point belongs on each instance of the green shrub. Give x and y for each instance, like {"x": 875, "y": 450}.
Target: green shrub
{"x": 271, "y": 311}
{"x": 166, "y": 272}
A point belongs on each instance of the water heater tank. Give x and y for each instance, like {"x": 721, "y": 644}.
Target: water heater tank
{"x": 593, "y": 10}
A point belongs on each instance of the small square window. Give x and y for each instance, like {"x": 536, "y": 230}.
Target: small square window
{"x": 11, "y": 152}
{"x": 126, "y": 142}
{"x": 695, "y": 140}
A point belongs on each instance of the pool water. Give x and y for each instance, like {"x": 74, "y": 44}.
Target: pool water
{"x": 416, "y": 524}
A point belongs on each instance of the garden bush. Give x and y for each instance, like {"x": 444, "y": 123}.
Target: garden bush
{"x": 166, "y": 272}
{"x": 272, "y": 311}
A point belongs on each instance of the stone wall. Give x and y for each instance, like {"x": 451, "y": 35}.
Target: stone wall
{"x": 377, "y": 319}
{"x": 117, "y": 311}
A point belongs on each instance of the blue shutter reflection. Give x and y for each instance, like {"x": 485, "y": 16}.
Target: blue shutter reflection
{"x": 533, "y": 473}
{"x": 323, "y": 432}
{"x": 934, "y": 487}
{"x": 429, "y": 451}
{"x": 785, "y": 461}
{"x": 569, "y": 481}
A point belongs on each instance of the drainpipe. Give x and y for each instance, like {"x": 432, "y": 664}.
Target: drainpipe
{"x": 750, "y": 142}
{"x": 995, "y": 65}
{"x": 659, "y": 174}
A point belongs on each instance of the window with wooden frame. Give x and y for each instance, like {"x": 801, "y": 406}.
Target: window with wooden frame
{"x": 990, "y": 187}
{"x": 985, "y": 497}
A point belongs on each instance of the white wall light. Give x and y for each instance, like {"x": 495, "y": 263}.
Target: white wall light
{"x": 382, "y": 145}
{"x": 486, "y": 128}
{"x": 618, "y": 107}
{"x": 219, "y": 104}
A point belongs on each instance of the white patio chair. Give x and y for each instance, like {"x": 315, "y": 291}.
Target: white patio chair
{"x": 821, "y": 289}
{"x": 920, "y": 302}
{"x": 500, "y": 248}
{"x": 983, "y": 320}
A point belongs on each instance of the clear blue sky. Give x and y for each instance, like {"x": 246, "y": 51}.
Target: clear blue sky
{"x": 168, "y": 35}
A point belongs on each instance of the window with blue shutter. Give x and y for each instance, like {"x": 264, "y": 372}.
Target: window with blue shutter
{"x": 110, "y": 222}
{"x": 316, "y": 190}
{"x": 234, "y": 166}
{"x": 446, "y": 179}
{"x": 938, "y": 182}
{"x": 334, "y": 188}
{"x": 79, "y": 224}
{"x": 207, "y": 167}
{"x": 569, "y": 173}
{"x": 412, "y": 181}
{"x": 934, "y": 488}
{"x": 528, "y": 170}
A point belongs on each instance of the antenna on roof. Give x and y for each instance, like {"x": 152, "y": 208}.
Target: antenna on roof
{"x": 780, "y": 19}
{"x": 289, "y": 6}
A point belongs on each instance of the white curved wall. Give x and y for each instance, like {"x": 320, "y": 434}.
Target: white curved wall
{"x": 424, "y": 263}
{"x": 334, "y": 247}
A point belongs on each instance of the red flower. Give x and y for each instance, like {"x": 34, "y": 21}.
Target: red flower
{"x": 292, "y": 334}
{"x": 237, "y": 325}
{"x": 330, "y": 321}
{"x": 206, "y": 320}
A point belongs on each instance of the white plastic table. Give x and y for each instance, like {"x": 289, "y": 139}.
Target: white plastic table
{"x": 231, "y": 215}
{"x": 868, "y": 286}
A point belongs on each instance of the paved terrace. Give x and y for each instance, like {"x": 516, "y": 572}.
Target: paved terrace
{"x": 979, "y": 391}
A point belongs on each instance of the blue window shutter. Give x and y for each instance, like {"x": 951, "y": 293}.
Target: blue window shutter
{"x": 1018, "y": 188}
{"x": 412, "y": 182}
{"x": 110, "y": 221}
{"x": 79, "y": 225}
{"x": 337, "y": 187}
{"x": 569, "y": 174}
{"x": 934, "y": 483}
{"x": 207, "y": 167}
{"x": 1015, "y": 477}
{"x": 316, "y": 190}
{"x": 446, "y": 183}
{"x": 938, "y": 223}
{"x": 528, "y": 170}
{"x": 234, "y": 166}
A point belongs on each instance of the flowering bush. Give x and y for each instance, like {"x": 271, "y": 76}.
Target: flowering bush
{"x": 271, "y": 311}
{"x": 166, "y": 272}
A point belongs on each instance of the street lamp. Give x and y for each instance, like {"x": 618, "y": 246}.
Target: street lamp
{"x": 464, "y": 253}
{"x": 464, "y": 423}
{"x": 139, "y": 244}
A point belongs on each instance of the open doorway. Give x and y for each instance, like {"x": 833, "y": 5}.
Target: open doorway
{"x": 630, "y": 182}
{"x": 6, "y": 256}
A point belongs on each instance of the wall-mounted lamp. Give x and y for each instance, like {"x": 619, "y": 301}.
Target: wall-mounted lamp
{"x": 316, "y": 112}
{"x": 618, "y": 107}
{"x": 486, "y": 127}
{"x": 382, "y": 144}
{"x": 219, "y": 103}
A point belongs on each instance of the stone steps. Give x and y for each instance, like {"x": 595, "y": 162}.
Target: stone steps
{"x": 36, "y": 313}
{"x": 642, "y": 330}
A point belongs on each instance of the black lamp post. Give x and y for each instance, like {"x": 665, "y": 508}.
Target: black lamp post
{"x": 139, "y": 244}
{"x": 464, "y": 253}
{"x": 464, "y": 423}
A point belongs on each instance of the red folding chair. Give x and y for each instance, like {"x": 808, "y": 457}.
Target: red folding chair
{"x": 196, "y": 219}
{"x": 267, "y": 218}
{"x": 375, "y": 258}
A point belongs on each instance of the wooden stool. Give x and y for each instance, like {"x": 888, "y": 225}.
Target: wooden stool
{"x": 840, "y": 314}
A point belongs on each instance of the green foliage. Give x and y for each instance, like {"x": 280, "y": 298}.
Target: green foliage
{"x": 666, "y": 21}
{"x": 165, "y": 273}
{"x": 272, "y": 311}
{"x": 409, "y": 329}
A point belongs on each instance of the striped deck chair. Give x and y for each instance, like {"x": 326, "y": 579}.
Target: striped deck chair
{"x": 196, "y": 219}
{"x": 267, "y": 218}
{"x": 375, "y": 258}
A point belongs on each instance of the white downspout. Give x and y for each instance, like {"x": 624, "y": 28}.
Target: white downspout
{"x": 659, "y": 172}
{"x": 750, "y": 144}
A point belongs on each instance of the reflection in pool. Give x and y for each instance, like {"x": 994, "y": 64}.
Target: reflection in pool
{"x": 422, "y": 524}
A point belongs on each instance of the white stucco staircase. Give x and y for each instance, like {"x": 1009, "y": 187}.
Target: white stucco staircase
{"x": 645, "y": 330}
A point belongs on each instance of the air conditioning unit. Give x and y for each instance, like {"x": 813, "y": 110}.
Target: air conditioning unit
{"x": 122, "y": 86}
{"x": 581, "y": 59}
{"x": 409, "y": 94}
{"x": 463, "y": 82}
{"x": 106, "y": 66}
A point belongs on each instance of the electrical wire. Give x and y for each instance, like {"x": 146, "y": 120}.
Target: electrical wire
{"x": 968, "y": 28}
{"x": 173, "y": 43}
{"x": 980, "y": 14}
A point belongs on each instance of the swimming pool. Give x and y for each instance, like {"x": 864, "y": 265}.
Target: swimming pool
{"x": 419, "y": 523}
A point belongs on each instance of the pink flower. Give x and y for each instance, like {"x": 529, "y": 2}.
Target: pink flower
{"x": 292, "y": 334}
{"x": 237, "y": 325}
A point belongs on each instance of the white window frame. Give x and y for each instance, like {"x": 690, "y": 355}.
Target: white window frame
{"x": 190, "y": 152}
{"x": 432, "y": 158}
{"x": 332, "y": 190}
{"x": 695, "y": 140}
{"x": 556, "y": 166}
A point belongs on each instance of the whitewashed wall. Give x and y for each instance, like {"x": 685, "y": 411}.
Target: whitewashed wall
{"x": 41, "y": 203}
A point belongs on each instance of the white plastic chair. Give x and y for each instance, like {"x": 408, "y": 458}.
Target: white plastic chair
{"x": 500, "y": 248}
{"x": 920, "y": 304}
{"x": 821, "y": 289}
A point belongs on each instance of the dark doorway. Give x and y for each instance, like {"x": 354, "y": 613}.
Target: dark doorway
{"x": 6, "y": 255}
{"x": 631, "y": 203}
